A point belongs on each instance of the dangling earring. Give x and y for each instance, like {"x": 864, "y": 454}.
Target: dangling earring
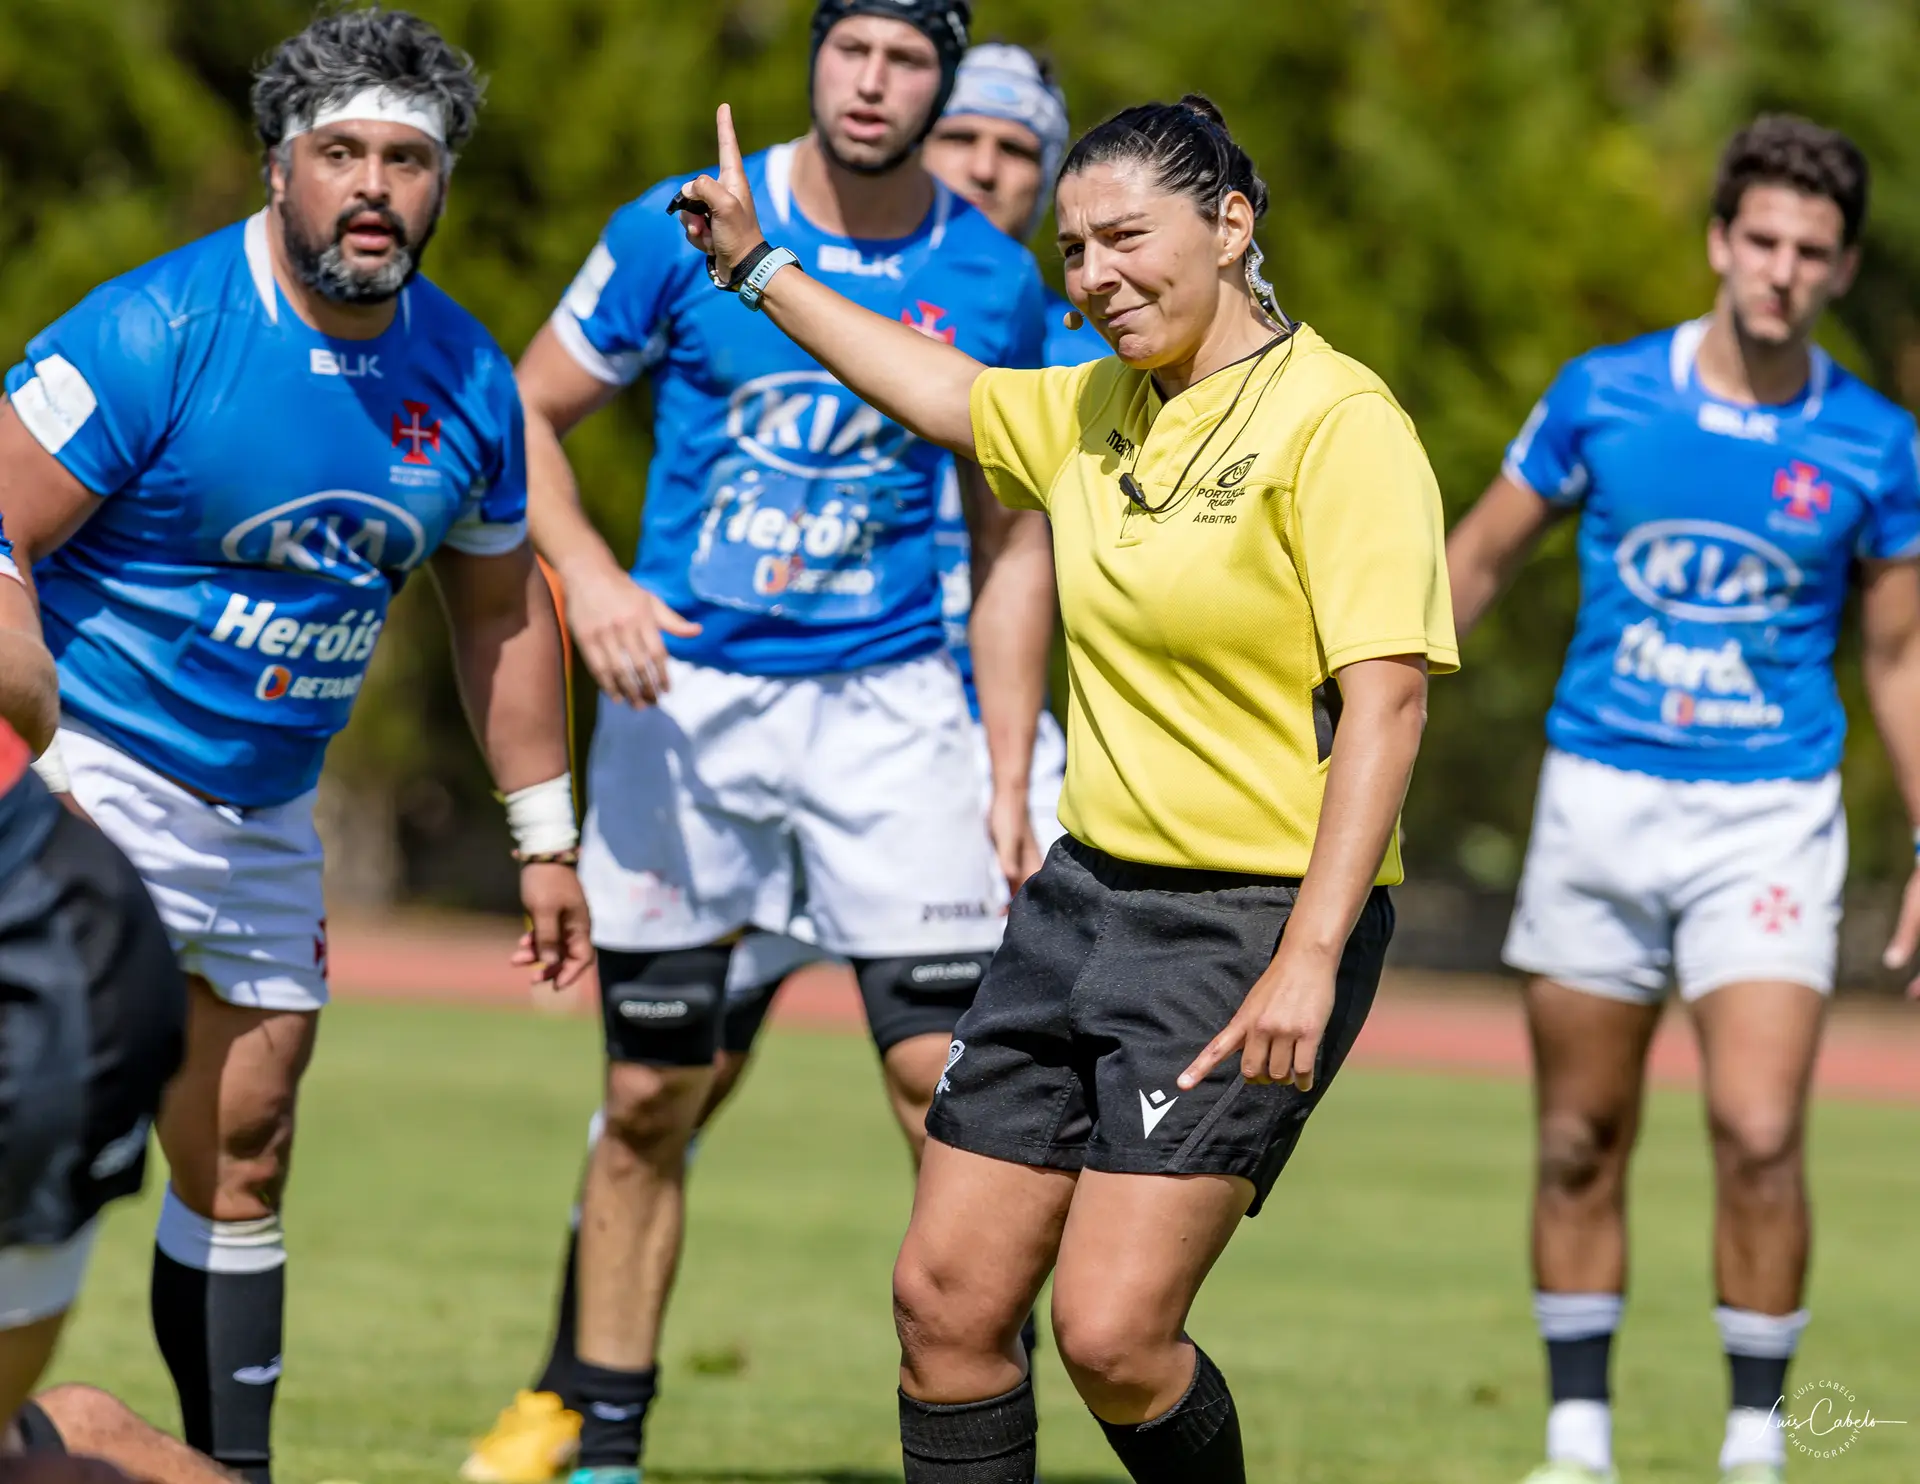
{"x": 1262, "y": 291}
{"x": 1074, "y": 320}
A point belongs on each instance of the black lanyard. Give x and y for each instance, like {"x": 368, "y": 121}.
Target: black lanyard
{"x": 1130, "y": 487}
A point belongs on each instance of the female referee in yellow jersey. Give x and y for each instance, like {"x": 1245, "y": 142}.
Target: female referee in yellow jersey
{"x": 1249, "y": 549}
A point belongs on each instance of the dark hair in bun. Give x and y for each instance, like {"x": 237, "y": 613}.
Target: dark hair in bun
{"x": 1186, "y": 146}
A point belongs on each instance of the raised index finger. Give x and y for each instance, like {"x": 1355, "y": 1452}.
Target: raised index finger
{"x": 733, "y": 170}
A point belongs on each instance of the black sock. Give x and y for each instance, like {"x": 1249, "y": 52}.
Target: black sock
{"x": 613, "y": 1414}
{"x": 989, "y": 1442}
{"x": 220, "y": 1334}
{"x": 1759, "y": 1381}
{"x": 1577, "y": 1369}
{"x": 1195, "y": 1441}
{"x": 564, "y": 1357}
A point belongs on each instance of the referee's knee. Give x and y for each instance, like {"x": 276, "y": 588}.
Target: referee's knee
{"x": 939, "y": 1316}
{"x": 1117, "y": 1356}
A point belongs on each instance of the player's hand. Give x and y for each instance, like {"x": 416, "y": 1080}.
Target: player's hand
{"x": 1906, "y": 934}
{"x": 557, "y": 946}
{"x": 1278, "y": 1027}
{"x": 617, "y": 623}
{"x": 1010, "y": 824}
{"x": 731, "y": 228}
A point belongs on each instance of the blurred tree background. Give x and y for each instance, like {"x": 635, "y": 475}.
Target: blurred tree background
{"x": 1465, "y": 193}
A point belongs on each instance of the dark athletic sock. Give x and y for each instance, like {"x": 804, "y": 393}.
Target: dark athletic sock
{"x": 220, "y": 1335}
{"x": 989, "y": 1442}
{"x": 1577, "y": 1369}
{"x": 1759, "y": 1351}
{"x": 1759, "y": 1381}
{"x": 1195, "y": 1441}
{"x": 563, "y": 1359}
{"x": 613, "y": 1414}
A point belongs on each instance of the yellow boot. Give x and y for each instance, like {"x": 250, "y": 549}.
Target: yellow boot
{"x": 532, "y": 1442}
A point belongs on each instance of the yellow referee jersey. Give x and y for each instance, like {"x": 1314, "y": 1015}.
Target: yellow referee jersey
{"x": 1306, "y": 535}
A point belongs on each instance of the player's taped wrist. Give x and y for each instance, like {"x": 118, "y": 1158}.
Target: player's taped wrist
{"x": 540, "y": 818}
{"x": 52, "y": 768}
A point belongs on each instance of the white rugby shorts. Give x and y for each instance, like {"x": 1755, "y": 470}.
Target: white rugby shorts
{"x": 1634, "y": 882}
{"x": 238, "y": 889}
{"x": 762, "y": 958}
{"x": 706, "y": 809}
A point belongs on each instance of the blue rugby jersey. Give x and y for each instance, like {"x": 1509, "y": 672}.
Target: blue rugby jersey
{"x": 1716, "y": 544}
{"x": 788, "y": 518}
{"x": 265, "y": 490}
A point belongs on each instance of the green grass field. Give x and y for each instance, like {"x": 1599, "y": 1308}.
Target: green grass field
{"x": 1374, "y": 1322}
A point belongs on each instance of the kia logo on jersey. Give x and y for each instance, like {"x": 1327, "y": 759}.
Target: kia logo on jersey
{"x": 805, "y": 423}
{"x": 333, "y": 532}
{"x": 1706, "y": 572}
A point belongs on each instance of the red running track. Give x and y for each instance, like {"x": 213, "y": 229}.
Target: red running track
{"x": 1422, "y": 1022}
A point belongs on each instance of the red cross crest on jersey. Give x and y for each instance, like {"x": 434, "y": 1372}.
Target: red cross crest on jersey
{"x": 417, "y": 431}
{"x": 1775, "y": 910}
{"x": 1808, "y": 496}
{"x": 929, "y": 322}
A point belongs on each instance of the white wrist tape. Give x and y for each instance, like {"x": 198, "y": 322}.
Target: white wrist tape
{"x": 541, "y": 817}
{"x": 52, "y": 768}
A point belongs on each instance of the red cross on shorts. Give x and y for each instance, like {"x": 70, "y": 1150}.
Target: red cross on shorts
{"x": 1775, "y": 909}
{"x": 1808, "y": 496}
{"x": 929, "y": 322}
{"x": 418, "y": 431}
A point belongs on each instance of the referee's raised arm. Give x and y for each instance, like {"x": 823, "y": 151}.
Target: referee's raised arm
{"x": 914, "y": 379}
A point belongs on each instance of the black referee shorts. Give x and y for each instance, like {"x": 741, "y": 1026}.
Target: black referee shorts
{"x": 1112, "y": 978}
{"x": 92, "y": 1018}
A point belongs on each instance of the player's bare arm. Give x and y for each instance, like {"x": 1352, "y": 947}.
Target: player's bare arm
{"x": 1011, "y": 631}
{"x": 1890, "y": 666}
{"x": 918, "y": 382}
{"x": 506, "y": 646}
{"x": 1278, "y": 1029}
{"x": 1489, "y": 545}
{"x": 616, "y": 622}
{"x": 41, "y": 503}
{"x": 29, "y": 683}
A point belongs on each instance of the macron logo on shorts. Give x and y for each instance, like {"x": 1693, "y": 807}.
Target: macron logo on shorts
{"x": 955, "y": 1051}
{"x": 1155, "y": 1108}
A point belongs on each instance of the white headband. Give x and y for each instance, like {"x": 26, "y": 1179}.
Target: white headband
{"x": 375, "y": 106}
